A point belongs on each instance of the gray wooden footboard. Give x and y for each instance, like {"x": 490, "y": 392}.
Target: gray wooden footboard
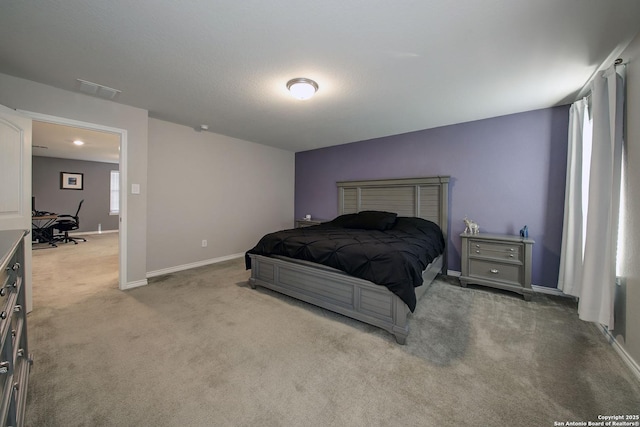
{"x": 336, "y": 291}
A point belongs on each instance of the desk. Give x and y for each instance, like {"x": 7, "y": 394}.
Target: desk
{"x": 41, "y": 226}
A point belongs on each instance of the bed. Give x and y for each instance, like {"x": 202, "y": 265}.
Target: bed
{"x": 337, "y": 291}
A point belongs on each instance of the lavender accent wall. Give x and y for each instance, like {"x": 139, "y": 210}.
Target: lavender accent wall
{"x": 506, "y": 172}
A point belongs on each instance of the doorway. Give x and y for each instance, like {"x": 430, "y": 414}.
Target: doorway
{"x": 114, "y": 153}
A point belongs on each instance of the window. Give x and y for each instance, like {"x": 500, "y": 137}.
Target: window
{"x": 114, "y": 198}
{"x": 587, "y": 140}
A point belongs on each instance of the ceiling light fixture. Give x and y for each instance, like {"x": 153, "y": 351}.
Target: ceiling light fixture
{"x": 78, "y": 142}
{"x": 302, "y": 88}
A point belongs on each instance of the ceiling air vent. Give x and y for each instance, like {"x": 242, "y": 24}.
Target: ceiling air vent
{"x": 97, "y": 90}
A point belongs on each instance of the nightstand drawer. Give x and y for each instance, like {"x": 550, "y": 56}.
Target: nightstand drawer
{"x": 307, "y": 222}
{"x": 496, "y": 250}
{"x": 503, "y": 272}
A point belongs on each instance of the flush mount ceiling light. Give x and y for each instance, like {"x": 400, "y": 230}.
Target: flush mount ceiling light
{"x": 78, "y": 142}
{"x": 302, "y": 88}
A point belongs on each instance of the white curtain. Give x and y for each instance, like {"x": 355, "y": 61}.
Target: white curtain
{"x": 571, "y": 253}
{"x": 593, "y": 279}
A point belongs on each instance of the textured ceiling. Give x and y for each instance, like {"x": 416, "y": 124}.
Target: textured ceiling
{"x": 53, "y": 140}
{"x": 384, "y": 67}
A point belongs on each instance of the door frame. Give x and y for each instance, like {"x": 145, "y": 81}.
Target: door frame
{"x": 122, "y": 166}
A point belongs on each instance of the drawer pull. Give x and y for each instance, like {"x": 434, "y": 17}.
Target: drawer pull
{"x": 17, "y": 309}
{"x": 477, "y": 252}
{"x": 3, "y": 315}
{"x": 4, "y": 367}
{"x": 477, "y": 246}
{"x": 20, "y": 352}
{"x": 511, "y": 250}
{"x": 494, "y": 271}
{"x": 3, "y": 292}
{"x": 15, "y": 266}
{"x": 510, "y": 255}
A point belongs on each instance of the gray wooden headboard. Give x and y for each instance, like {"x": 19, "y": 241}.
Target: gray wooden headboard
{"x": 426, "y": 198}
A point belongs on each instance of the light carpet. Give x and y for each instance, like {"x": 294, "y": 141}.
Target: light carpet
{"x": 201, "y": 348}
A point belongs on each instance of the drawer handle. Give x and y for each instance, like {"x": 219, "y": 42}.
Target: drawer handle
{"x": 4, "y": 367}
{"x": 3, "y": 292}
{"x": 15, "y": 266}
{"x": 3, "y": 315}
{"x": 511, "y": 250}
{"x": 477, "y": 246}
{"x": 17, "y": 309}
{"x": 511, "y": 256}
{"x": 477, "y": 252}
{"x": 494, "y": 271}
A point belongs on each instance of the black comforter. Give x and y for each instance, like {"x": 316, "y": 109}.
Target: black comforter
{"x": 394, "y": 258}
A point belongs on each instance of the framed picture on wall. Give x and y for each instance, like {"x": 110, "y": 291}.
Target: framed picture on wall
{"x": 71, "y": 181}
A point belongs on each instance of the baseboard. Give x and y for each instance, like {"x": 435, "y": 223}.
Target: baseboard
{"x": 550, "y": 291}
{"x": 136, "y": 284}
{"x": 202, "y": 263}
{"x": 453, "y": 273}
{"x": 626, "y": 358}
{"x": 84, "y": 233}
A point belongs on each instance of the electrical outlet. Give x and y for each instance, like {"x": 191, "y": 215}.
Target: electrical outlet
{"x": 204, "y": 243}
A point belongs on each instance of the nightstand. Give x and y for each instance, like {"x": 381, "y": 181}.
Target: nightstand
{"x": 307, "y": 222}
{"x": 497, "y": 260}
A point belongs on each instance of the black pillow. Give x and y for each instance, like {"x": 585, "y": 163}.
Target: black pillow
{"x": 371, "y": 220}
{"x": 376, "y": 220}
{"x": 345, "y": 220}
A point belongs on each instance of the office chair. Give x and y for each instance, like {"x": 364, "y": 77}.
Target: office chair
{"x": 66, "y": 223}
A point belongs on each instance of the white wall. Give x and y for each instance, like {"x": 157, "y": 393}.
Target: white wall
{"x": 38, "y": 98}
{"x": 194, "y": 185}
{"x": 629, "y": 338}
{"x": 204, "y": 185}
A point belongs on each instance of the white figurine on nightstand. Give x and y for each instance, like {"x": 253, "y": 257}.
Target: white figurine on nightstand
{"x": 471, "y": 226}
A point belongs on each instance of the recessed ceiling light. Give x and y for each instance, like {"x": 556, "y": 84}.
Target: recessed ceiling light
{"x": 78, "y": 142}
{"x": 302, "y": 88}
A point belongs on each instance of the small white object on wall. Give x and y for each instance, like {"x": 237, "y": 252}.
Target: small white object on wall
{"x": 307, "y": 217}
{"x": 135, "y": 188}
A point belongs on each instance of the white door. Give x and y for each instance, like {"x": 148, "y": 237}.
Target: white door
{"x": 15, "y": 181}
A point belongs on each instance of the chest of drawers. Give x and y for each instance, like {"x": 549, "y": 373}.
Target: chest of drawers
{"x": 15, "y": 361}
{"x": 497, "y": 260}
